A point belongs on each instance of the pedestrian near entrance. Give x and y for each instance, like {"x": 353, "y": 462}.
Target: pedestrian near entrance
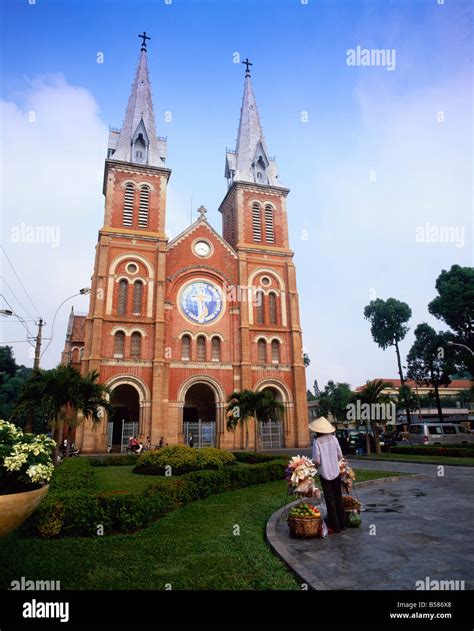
{"x": 326, "y": 455}
{"x": 191, "y": 440}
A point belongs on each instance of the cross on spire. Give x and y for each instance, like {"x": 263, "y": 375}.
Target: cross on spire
{"x": 202, "y": 212}
{"x": 144, "y": 37}
{"x": 247, "y": 64}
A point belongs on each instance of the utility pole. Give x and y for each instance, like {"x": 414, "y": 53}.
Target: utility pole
{"x": 36, "y": 363}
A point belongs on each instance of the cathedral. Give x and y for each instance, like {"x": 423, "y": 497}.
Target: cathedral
{"x": 175, "y": 326}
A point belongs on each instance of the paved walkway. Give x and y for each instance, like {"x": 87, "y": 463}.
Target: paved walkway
{"x": 423, "y": 531}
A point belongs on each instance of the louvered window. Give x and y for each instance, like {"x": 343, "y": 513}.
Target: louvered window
{"x": 256, "y": 223}
{"x": 272, "y": 308}
{"x": 275, "y": 351}
{"x": 136, "y": 346}
{"x": 262, "y": 351}
{"x": 201, "y": 349}
{"x": 185, "y": 347}
{"x": 143, "y": 206}
{"x": 128, "y": 205}
{"x": 269, "y": 227}
{"x": 122, "y": 297}
{"x": 259, "y": 297}
{"x": 119, "y": 343}
{"x": 137, "y": 297}
{"x": 216, "y": 349}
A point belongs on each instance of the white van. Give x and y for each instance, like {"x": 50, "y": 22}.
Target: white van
{"x": 439, "y": 434}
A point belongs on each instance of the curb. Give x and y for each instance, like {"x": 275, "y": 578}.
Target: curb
{"x": 294, "y": 565}
{"x": 431, "y": 462}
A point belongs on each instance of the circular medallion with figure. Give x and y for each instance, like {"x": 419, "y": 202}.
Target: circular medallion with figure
{"x": 201, "y": 302}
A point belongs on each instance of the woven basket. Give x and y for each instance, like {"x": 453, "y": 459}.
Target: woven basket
{"x": 304, "y": 528}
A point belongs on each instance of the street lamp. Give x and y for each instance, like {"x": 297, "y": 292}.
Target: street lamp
{"x": 82, "y": 292}
{"x": 450, "y": 343}
{"x": 9, "y": 312}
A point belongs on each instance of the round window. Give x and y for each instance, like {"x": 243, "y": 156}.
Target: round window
{"x": 265, "y": 281}
{"x": 132, "y": 268}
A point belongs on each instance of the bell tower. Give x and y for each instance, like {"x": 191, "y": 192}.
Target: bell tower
{"x": 254, "y": 217}
{"x": 124, "y": 332}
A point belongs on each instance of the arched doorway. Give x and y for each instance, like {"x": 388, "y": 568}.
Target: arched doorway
{"x": 199, "y": 415}
{"x": 271, "y": 429}
{"x": 124, "y": 420}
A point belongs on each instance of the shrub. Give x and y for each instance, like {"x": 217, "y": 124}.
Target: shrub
{"x": 432, "y": 450}
{"x": 182, "y": 459}
{"x": 79, "y": 513}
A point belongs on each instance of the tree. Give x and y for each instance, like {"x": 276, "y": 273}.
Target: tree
{"x": 62, "y": 392}
{"x": 431, "y": 361}
{"x": 335, "y": 398}
{"x": 241, "y": 406}
{"x": 310, "y": 396}
{"x": 373, "y": 392}
{"x": 388, "y": 320}
{"x": 306, "y": 360}
{"x": 8, "y": 365}
{"x": 454, "y": 304}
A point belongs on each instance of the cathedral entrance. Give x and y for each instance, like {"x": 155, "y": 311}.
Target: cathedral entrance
{"x": 199, "y": 416}
{"x": 271, "y": 433}
{"x": 124, "y": 420}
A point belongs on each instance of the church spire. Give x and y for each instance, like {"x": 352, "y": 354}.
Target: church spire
{"x": 250, "y": 162}
{"x": 137, "y": 141}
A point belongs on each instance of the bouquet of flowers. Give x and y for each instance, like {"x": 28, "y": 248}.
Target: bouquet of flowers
{"x": 25, "y": 459}
{"x": 300, "y": 474}
{"x": 347, "y": 475}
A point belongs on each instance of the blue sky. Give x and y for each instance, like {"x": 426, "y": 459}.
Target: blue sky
{"x": 354, "y": 236}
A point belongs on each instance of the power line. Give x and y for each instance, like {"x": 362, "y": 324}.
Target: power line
{"x": 16, "y": 297}
{"x": 20, "y": 320}
{"x": 19, "y": 280}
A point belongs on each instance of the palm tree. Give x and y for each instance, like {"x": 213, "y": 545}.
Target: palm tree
{"x": 242, "y": 405}
{"x": 60, "y": 391}
{"x": 373, "y": 392}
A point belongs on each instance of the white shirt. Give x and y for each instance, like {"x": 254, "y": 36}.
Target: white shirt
{"x": 326, "y": 455}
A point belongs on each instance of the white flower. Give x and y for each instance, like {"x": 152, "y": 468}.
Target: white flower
{"x": 40, "y": 472}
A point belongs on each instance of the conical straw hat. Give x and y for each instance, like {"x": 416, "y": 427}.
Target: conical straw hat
{"x": 322, "y": 426}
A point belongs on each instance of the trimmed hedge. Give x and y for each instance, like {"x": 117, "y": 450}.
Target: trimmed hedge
{"x": 81, "y": 514}
{"x": 182, "y": 459}
{"x": 432, "y": 450}
{"x": 73, "y": 474}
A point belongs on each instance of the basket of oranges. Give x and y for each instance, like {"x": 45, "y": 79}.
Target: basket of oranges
{"x": 304, "y": 520}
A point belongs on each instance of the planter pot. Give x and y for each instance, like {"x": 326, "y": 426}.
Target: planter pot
{"x": 17, "y": 507}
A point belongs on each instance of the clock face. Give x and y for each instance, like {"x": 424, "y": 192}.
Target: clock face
{"x": 201, "y": 302}
{"x": 202, "y": 248}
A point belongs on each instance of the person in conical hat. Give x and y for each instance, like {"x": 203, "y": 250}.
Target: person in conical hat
{"x": 326, "y": 455}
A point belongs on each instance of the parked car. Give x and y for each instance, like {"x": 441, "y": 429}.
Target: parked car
{"x": 439, "y": 434}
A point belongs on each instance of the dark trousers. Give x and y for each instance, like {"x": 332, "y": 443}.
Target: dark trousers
{"x": 333, "y": 496}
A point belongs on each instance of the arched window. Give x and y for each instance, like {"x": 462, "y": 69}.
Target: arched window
{"x": 128, "y": 205}
{"x": 269, "y": 225}
{"x": 201, "y": 349}
{"x": 119, "y": 343}
{"x": 275, "y": 351}
{"x": 262, "y": 351}
{"x": 216, "y": 349}
{"x": 137, "y": 297}
{"x": 185, "y": 347}
{"x": 143, "y": 206}
{"x": 75, "y": 355}
{"x": 81, "y": 354}
{"x": 122, "y": 297}
{"x": 136, "y": 345}
{"x": 256, "y": 222}
{"x": 259, "y": 298}
{"x": 272, "y": 308}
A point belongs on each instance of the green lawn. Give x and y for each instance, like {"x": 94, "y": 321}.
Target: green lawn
{"x": 192, "y": 548}
{"x": 121, "y": 478}
{"x": 446, "y": 460}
